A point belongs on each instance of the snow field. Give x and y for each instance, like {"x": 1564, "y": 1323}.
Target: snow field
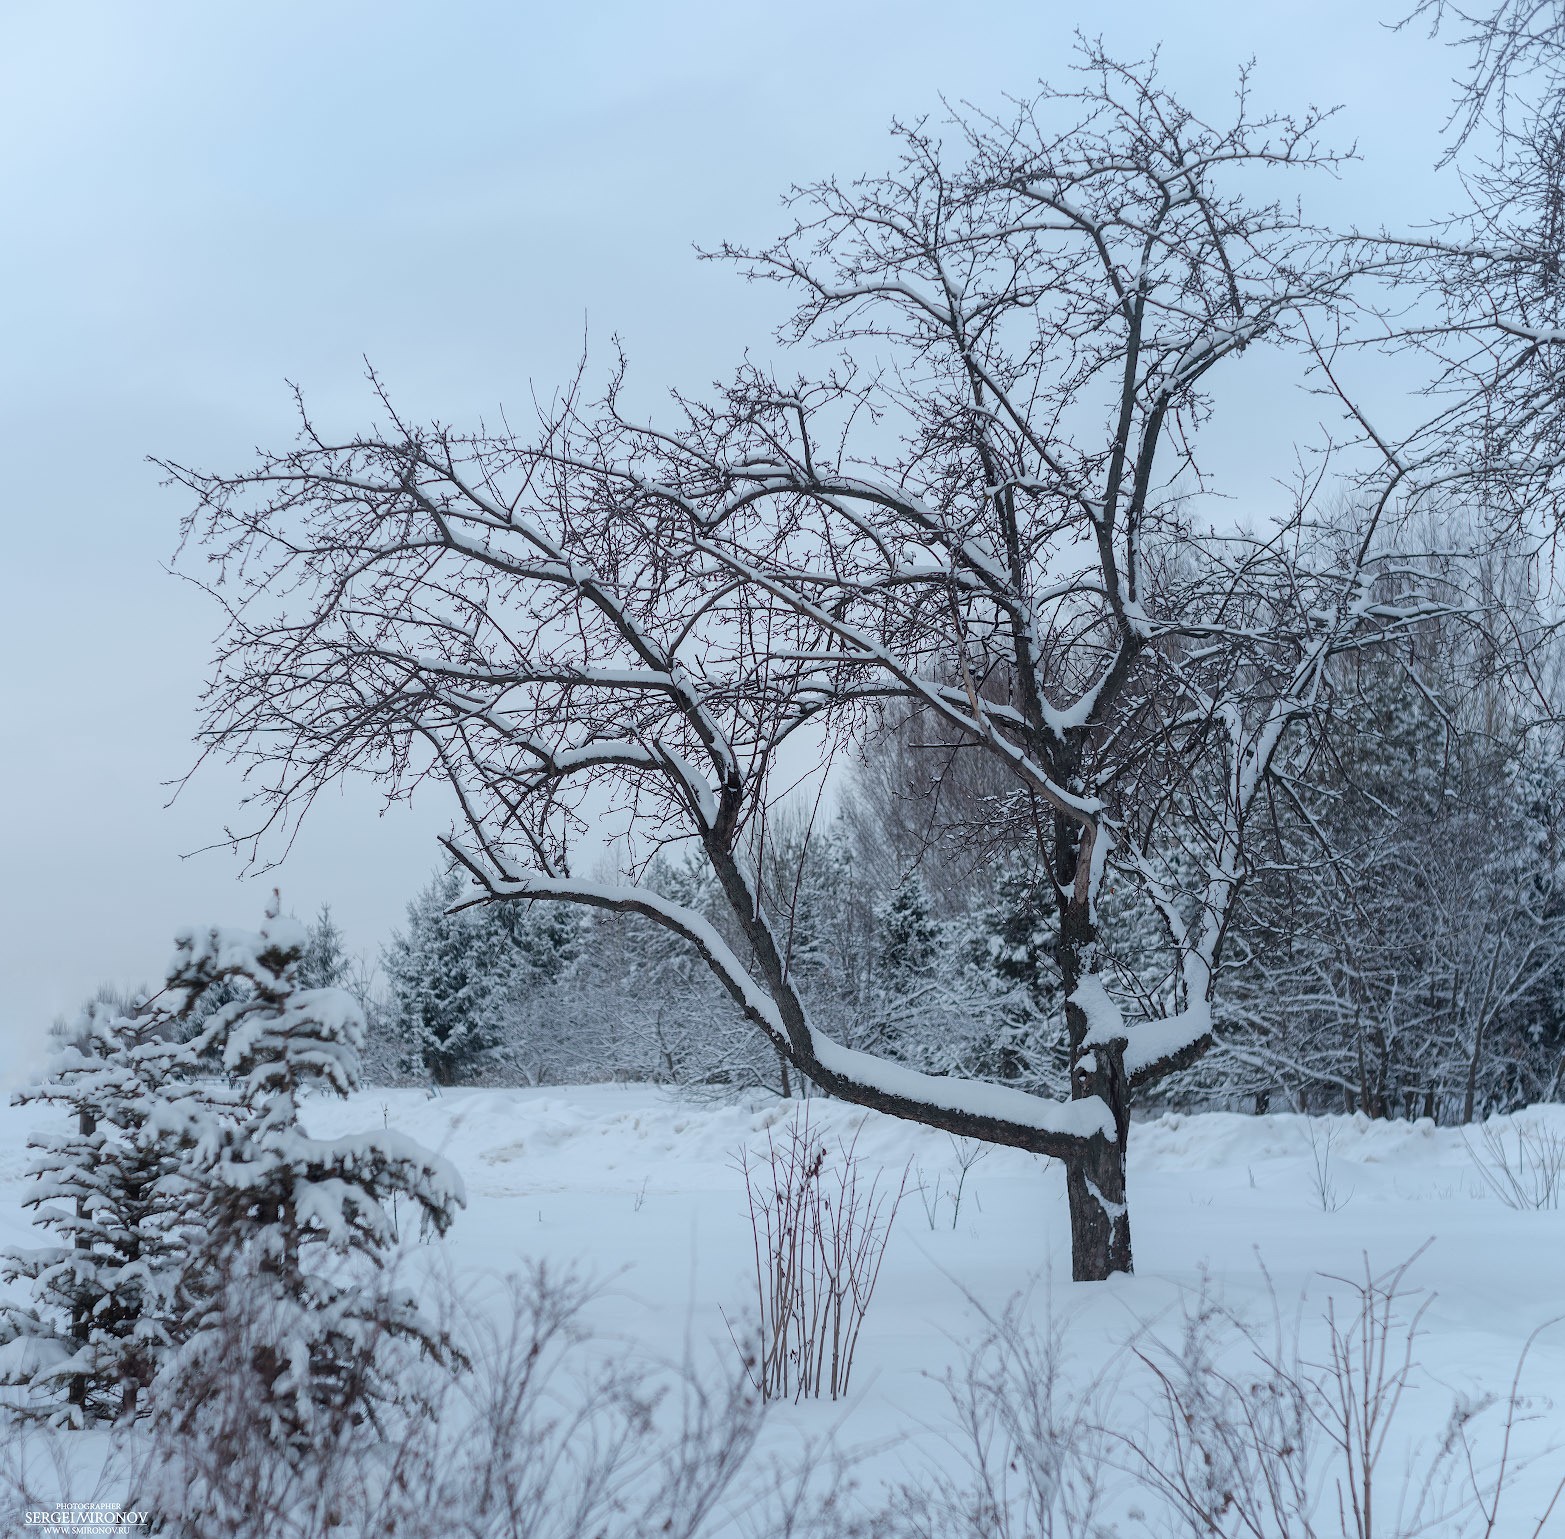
{"x": 637, "y": 1187}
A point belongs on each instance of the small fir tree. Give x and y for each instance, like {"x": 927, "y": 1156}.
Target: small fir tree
{"x": 1009, "y": 942}
{"x": 112, "y": 1191}
{"x": 296, "y": 1231}
{"x": 909, "y": 936}
{"x": 325, "y": 962}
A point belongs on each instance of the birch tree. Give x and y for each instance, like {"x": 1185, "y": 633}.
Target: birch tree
{"x": 975, "y": 507}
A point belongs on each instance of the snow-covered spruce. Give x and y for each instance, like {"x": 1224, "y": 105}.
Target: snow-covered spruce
{"x": 295, "y": 1232}
{"x": 111, "y": 1189}
{"x": 443, "y": 983}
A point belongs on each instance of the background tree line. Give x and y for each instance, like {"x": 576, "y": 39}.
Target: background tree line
{"x": 1400, "y": 949}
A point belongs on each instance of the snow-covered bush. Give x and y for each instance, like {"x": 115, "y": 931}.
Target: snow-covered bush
{"x": 649, "y": 1008}
{"x": 294, "y": 1230}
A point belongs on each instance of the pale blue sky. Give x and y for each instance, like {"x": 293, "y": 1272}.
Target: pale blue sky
{"x": 203, "y": 200}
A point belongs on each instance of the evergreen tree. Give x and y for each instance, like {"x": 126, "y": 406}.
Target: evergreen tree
{"x": 909, "y": 936}
{"x": 811, "y": 886}
{"x": 325, "y": 962}
{"x": 533, "y": 945}
{"x": 446, "y": 971}
{"x": 110, "y": 1188}
{"x": 535, "y": 1010}
{"x": 1411, "y": 974}
{"x": 910, "y": 1002}
{"x": 295, "y": 1230}
{"x": 1010, "y": 950}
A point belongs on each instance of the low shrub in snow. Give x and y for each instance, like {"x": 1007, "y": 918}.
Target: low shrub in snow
{"x": 819, "y": 1232}
{"x": 1203, "y": 1428}
{"x": 1525, "y": 1169}
{"x": 1244, "y": 1433}
{"x": 548, "y": 1432}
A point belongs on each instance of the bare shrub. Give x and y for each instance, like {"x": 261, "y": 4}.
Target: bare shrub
{"x": 819, "y": 1233}
{"x": 968, "y": 1152}
{"x": 43, "y": 1465}
{"x": 1324, "y": 1180}
{"x": 552, "y": 1438}
{"x": 1035, "y": 1452}
{"x": 552, "y": 1433}
{"x": 1245, "y": 1434}
{"x": 1232, "y": 1449}
{"x": 1525, "y": 1170}
{"x": 1283, "y": 1444}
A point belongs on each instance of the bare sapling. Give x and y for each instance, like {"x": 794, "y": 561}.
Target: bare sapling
{"x": 1324, "y": 1181}
{"x": 819, "y": 1232}
{"x": 968, "y": 1151}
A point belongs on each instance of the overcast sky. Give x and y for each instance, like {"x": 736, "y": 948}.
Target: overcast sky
{"x": 205, "y": 200}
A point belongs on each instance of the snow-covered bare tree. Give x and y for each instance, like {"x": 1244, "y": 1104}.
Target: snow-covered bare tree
{"x": 979, "y": 509}
{"x": 294, "y": 1231}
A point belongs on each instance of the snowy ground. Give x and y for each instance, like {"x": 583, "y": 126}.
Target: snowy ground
{"x": 639, "y": 1187}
